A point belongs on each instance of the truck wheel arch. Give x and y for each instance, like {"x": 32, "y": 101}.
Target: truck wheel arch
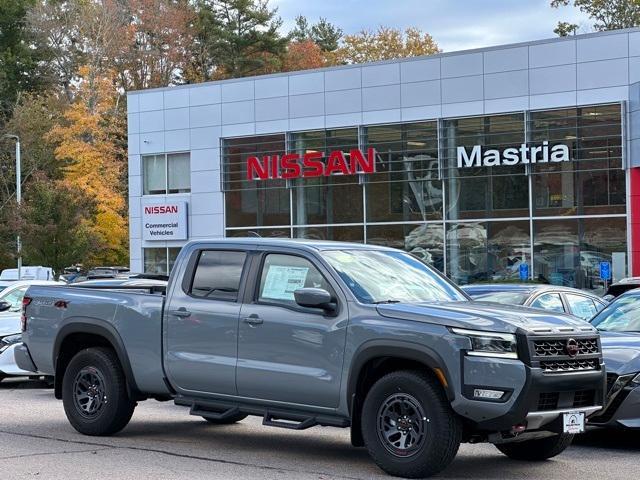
{"x": 395, "y": 353}
{"x": 89, "y": 334}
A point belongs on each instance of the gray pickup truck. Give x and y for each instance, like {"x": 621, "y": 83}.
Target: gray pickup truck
{"x": 307, "y": 333}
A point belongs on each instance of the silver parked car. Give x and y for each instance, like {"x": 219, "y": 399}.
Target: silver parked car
{"x": 10, "y": 312}
{"x": 619, "y": 326}
{"x": 553, "y": 298}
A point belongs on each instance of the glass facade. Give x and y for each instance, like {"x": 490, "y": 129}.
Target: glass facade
{"x": 489, "y": 220}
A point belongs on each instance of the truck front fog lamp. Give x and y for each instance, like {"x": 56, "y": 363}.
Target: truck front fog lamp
{"x": 485, "y": 394}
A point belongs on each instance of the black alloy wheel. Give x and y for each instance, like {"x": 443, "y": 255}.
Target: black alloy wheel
{"x": 401, "y": 425}
{"x": 90, "y": 394}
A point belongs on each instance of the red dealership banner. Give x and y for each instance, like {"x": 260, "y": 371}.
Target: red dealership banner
{"x": 311, "y": 164}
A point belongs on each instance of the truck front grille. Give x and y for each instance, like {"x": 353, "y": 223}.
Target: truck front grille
{"x": 584, "y": 398}
{"x": 557, "y": 366}
{"x": 548, "y": 401}
{"x": 555, "y": 400}
{"x": 565, "y": 353}
{"x": 557, "y": 347}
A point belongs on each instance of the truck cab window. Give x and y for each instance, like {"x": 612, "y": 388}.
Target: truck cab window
{"x": 218, "y": 274}
{"x": 284, "y": 274}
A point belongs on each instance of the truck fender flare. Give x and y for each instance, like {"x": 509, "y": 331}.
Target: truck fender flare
{"x": 397, "y": 349}
{"x": 102, "y": 329}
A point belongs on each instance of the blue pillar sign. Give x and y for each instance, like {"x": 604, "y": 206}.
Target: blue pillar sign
{"x": 524, "y": 271}
{"x": 605, "y": 271}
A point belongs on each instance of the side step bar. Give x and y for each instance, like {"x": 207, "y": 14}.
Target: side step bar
{"x": 271, "y": 417}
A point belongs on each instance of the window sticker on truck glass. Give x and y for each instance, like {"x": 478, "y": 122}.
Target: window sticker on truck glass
{"x": 282, "y": 281}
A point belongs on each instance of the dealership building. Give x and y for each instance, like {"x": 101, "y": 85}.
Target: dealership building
{"x": 492, "y": 164}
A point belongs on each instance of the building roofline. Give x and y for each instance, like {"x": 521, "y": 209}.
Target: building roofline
{"x": 395, "y": 60}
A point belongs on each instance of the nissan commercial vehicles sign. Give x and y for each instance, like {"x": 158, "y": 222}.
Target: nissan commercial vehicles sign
{"x": 164, "y": 221}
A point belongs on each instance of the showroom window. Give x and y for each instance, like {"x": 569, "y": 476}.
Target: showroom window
{"x": 593, "y": 182}
{"x": 569, "y": 251}
{"x": 406, "y": 185}
{"x": 424, "y": 240}
{"x": 484, "y": 192}
{"x": 487, "y": 251}
{"x": 474, "y": 223}
{"x": 159, "y": 261}
{"x": 166, "y": 173}
{"x": 253, "y": 202}
{"x": 321, "y": 200}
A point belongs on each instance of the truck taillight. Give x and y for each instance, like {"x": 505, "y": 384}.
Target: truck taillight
{"x": 23, "y": 319}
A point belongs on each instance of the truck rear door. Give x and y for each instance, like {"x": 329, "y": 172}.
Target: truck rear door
{"x": 202, "y": 322}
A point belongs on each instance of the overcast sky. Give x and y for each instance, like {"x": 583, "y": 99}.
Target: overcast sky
{"x": 454, "y": 24}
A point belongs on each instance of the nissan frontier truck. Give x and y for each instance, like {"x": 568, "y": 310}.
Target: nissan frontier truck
{"x": 305, "y": 333}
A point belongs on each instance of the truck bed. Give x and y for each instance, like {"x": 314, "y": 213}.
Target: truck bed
{"x": 132, "y": 321}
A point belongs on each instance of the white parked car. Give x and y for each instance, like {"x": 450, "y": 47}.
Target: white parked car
{"x": 10, "y": 336}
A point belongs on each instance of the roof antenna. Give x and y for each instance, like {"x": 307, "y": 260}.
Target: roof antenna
{"x": 253, "y": 234}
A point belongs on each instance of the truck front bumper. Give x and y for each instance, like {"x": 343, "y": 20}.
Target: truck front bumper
{"x": 534, "y": 399}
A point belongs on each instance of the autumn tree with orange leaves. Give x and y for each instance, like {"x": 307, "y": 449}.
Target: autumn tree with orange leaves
{"x": 303, "y": 55}
{"x": 92, "y": 161}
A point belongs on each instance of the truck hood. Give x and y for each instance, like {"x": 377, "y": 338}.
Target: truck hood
{"x": 621, "y": 352}
{"x": 487, "y": 316}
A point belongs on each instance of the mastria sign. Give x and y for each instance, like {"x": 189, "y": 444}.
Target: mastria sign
{"x": 524, "y": 154}
{"x": 311, "y": 164}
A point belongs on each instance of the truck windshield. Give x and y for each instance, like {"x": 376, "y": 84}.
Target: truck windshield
{"x": 382, "y": 276}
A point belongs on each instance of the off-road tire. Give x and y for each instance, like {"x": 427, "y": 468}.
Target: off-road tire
{"x": 227, "y": 421}
{"x": 441, "y": 427}
{"x": 116, "y": 408}
{"x": 536, "y": 450}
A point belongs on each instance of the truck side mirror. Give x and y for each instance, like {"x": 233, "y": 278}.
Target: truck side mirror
{"x": 4, "y": 306}
{"x": 315, "y": 298}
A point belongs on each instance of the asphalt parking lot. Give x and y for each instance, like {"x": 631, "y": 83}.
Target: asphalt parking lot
{"x": 164, "y": 442}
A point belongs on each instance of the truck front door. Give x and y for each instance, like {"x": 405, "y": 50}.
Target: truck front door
{"x": 286, "y": 352}
{"x": 202, "y": 323}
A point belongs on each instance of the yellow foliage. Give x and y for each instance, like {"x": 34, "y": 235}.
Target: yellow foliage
{"x": 384, "y": 44}
{"x": 93, "y": 162}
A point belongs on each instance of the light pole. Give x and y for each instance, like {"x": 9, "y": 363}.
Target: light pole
{"x": 18, "y": 198}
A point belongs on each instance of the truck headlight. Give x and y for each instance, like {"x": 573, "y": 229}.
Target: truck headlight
{"x": 636, "y": 380}
{"x": 490, "y": 344}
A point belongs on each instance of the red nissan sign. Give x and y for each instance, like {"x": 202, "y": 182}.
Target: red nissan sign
{"x": 311, "y": 164}
{"x": 160, "y": 209}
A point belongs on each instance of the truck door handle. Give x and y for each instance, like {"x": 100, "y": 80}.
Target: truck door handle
{"x": 181, "y": 313}
{"x": 253, "y": 320}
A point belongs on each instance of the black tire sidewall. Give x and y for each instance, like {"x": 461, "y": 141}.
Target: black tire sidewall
{"x": 108, "y": 420}
{"x": 428, "y": 459}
